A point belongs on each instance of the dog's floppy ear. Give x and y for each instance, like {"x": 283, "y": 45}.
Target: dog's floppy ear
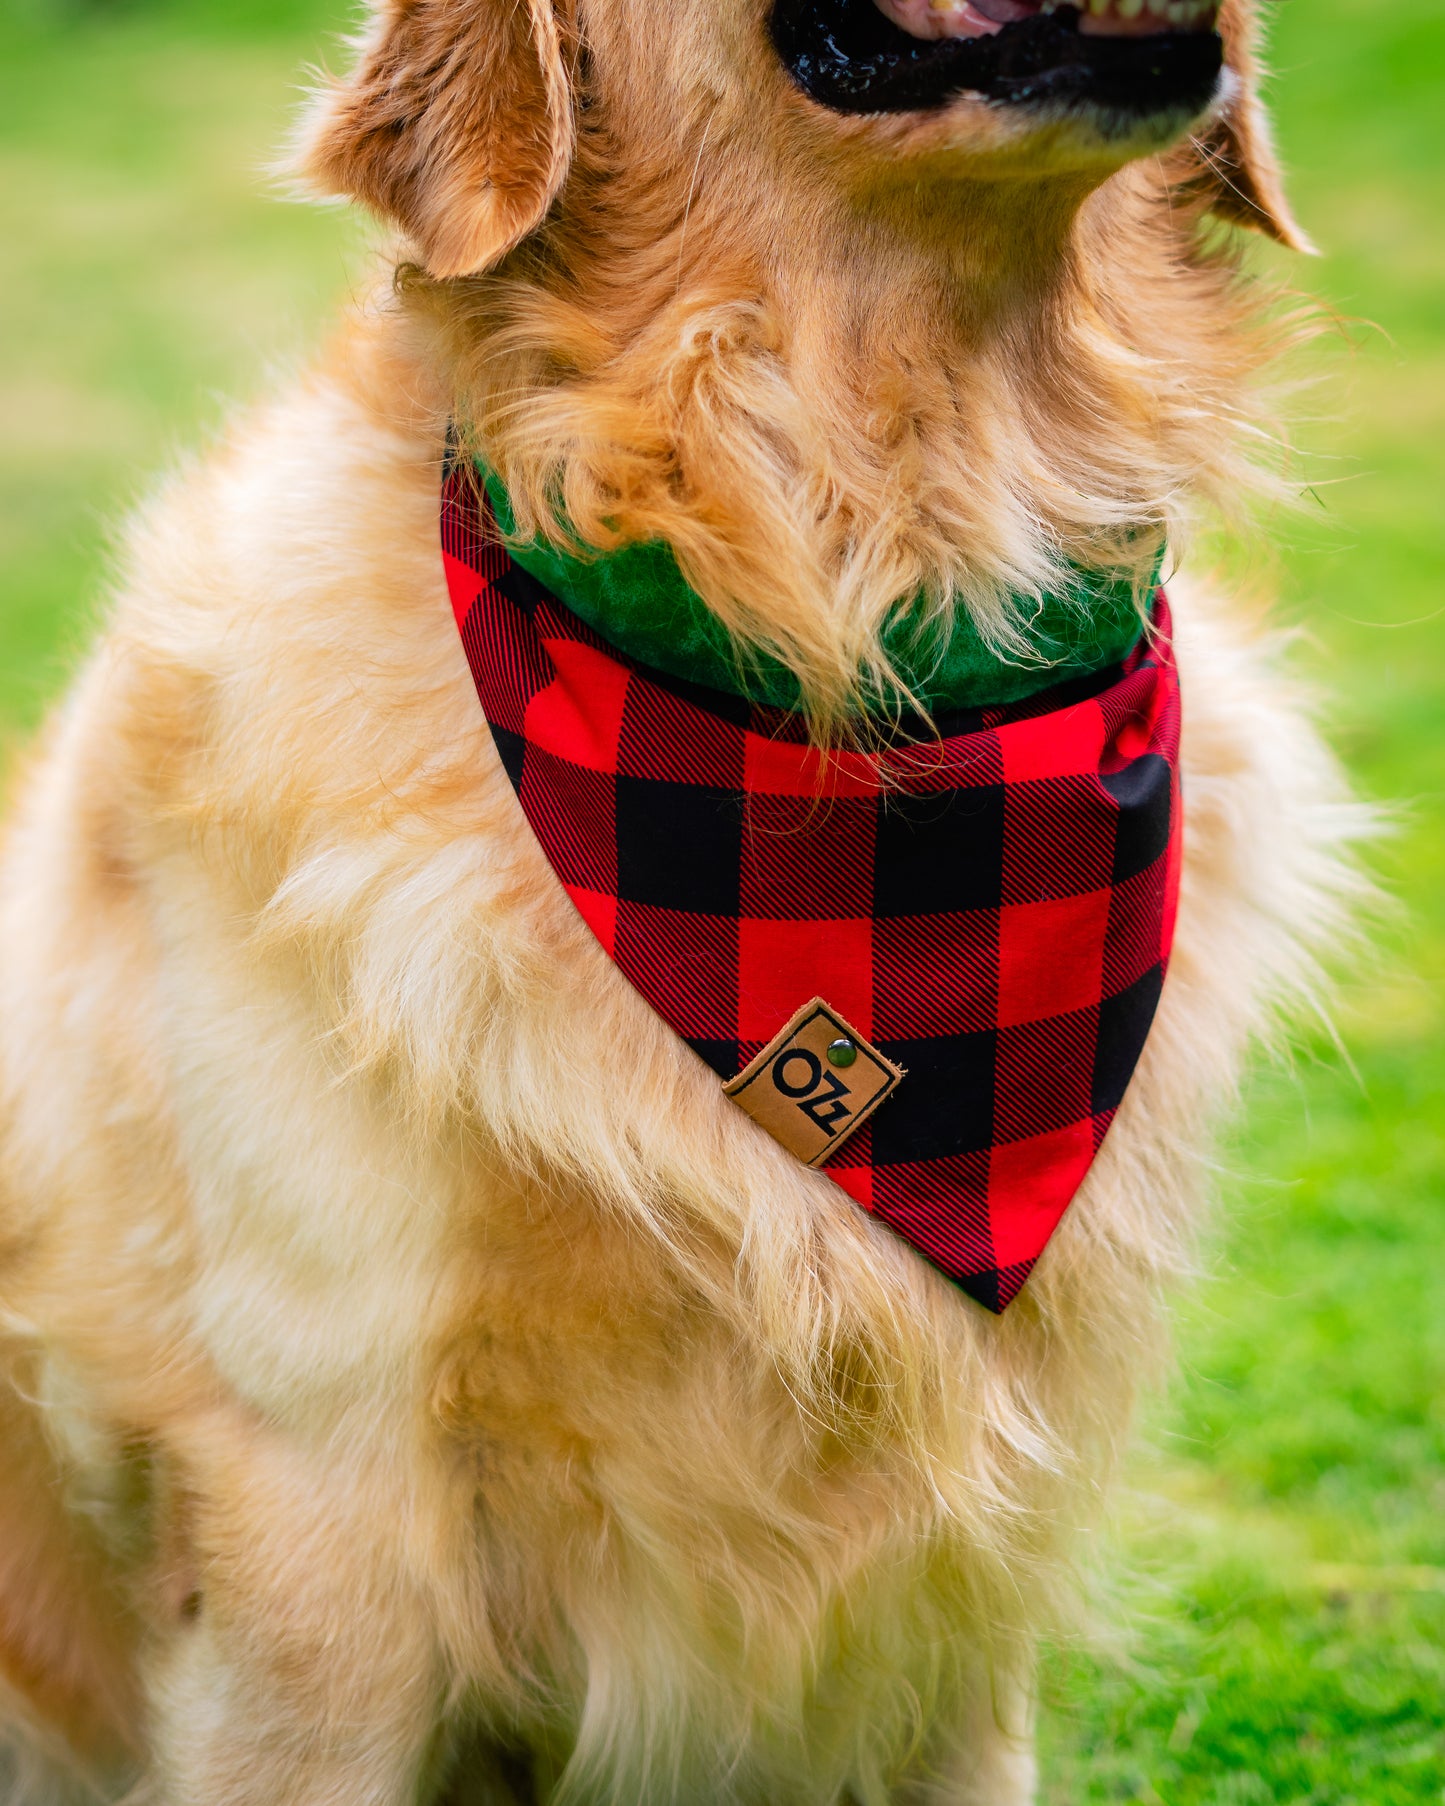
{"x": 1233, "y": 159}
{"x": 457, "y": 124}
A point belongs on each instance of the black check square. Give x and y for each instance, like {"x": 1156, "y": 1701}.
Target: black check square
{"x": 1124, "y": 1024}
{"x": 1142, "y": 790}
{"x": 940, "y": 852}
{"x": 945, "y": 1104}
{"x": 679, "y": 846}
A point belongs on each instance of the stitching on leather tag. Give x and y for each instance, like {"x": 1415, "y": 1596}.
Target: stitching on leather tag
{"x": 806, "y": 1099}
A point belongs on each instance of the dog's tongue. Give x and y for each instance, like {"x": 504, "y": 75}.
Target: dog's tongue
{"x": 1004, "y": 12}
{"x": 954, "y": 18}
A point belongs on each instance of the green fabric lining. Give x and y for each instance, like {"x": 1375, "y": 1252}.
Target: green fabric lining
{"x": 638, "y": 600}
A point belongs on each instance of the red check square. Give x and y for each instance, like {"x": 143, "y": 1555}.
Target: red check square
{"x": 579, "y": 715}
{"x": 1059, "y": 745}
{"x": 1037, "y": 1177}
{"x": 1051, "y": 956}
{"x": 598, "y": 909}
{"x": 782, "y": 964}
{"x": 788, "y": 768}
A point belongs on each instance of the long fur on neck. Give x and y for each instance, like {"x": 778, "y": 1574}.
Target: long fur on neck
{"x": 919, "y": 413}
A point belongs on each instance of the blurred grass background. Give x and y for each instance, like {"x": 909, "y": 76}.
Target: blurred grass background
{"x": 1288, "y": 1538}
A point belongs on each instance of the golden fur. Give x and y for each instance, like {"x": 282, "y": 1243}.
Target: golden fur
{"x": 422, "y": 1377}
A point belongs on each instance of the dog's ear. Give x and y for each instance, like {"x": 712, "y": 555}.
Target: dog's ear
{"x": 1233, "y": 159}
{"x": 457, "y": 124}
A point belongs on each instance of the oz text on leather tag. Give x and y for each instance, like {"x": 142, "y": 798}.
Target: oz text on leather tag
{"x": 814, "y": 1083}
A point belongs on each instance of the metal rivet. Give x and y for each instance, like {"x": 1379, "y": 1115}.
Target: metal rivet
{"x": 841, "y": 1052}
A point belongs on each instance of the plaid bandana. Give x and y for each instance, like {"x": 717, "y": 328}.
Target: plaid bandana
{"x": 960, "y": 938}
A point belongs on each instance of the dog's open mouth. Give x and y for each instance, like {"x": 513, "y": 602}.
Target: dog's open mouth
{"x": 1124, "y": 61}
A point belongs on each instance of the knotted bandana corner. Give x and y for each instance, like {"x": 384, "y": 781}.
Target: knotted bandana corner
{"x": 961, "y": 938}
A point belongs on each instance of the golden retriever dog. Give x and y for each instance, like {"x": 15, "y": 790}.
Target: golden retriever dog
{"x": 420, "y": 1380}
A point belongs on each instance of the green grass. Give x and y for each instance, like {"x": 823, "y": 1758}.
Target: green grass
{"x": 1292, "y": 1646}
{"x": 152, "y": 273}
{"x": 1288, "y": 1541}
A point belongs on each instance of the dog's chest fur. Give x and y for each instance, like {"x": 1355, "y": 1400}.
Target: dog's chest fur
{"x": 626, "y": 1404}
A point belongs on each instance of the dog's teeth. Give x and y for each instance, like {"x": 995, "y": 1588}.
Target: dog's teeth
{"x": 1101, "y": 18}
{"x": 1138, "y": 17}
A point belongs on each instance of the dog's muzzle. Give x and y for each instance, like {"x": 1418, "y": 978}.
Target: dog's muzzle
{"x": 1122, "y": 63}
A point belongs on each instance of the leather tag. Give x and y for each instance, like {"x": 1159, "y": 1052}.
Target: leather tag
{"x": 807, "y": 1097}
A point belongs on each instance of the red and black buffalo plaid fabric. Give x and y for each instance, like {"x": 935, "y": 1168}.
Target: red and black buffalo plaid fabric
{"x": 992, "y": 907}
